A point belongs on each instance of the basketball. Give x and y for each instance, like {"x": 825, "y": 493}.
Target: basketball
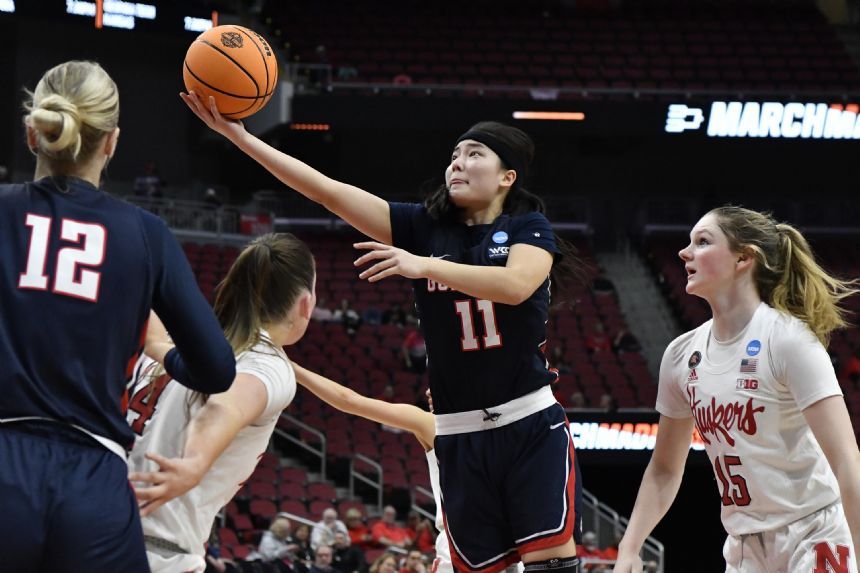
{"x": 233, "y": 64}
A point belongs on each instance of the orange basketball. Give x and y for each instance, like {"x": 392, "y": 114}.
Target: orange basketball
{"x": 233, "y": 64}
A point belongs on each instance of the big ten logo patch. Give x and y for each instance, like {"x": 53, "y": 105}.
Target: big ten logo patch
{"x": 747, "y": 384}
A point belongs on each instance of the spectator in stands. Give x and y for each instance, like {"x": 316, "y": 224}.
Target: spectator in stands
{"x": 577, "y": 400}
{"x": 421, "y": 531}
{"x": 414, "y": 351}
{"x": 304, "y": 554}
{"x": 607, "y": 403}
{"x": 597, "y": 340}
{"x": 322, "y": 312}
{"x": 346, "y": 73}
{"x": 557, "y": 361}
{"x": 275, "y": 544}
{"x": 387, "y": 394}
{"x": 414, "y": 563}
{"x": 590, "y": 549}
{"x": 347, "y": 558}
{"x": 348, "y": 316}
{"x": 322, "y": 560}
{"x": 150, "y": 183}
{"x": 212, "y": 199}
{"x": 386, "y": 533}
{"x": 324, "y": 530}
{"x": 394, "y": 315}
{"x": 359, "y": 533}
{"x": 214, "y": 562}
{"x": 625, "y": 342}
{"x": 385, "y": 563}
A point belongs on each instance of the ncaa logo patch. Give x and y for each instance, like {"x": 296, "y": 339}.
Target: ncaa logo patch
{"x": 500, "y": 237}
{"x": 753, "y": 347}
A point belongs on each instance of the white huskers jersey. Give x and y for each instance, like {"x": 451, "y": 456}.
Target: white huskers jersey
{"x": 770, "y": 470}
{"x": 187, "y": 520}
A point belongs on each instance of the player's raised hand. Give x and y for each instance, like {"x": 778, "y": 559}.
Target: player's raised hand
{"x": 390, "y": 261}
{"x": 173, "y": 478}
{"x": 627, "y": 563}
{"x": 232, "y": 129}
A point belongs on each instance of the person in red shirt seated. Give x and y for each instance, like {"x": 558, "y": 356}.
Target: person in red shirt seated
{"x": 386, "y": 533}
{"x": 421, "y": 530}
{"x": 359, "y": 533}
{"x": 589, "y": 548}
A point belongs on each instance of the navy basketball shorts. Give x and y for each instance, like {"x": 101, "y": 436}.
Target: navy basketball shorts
{"x": 509, "y": 490}
{"x": 66, "y": 504}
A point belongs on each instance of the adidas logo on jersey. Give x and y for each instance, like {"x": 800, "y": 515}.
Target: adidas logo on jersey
{"x": 693, "y": 376}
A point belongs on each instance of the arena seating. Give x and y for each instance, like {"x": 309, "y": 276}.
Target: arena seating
{"x": 667, "y": 45}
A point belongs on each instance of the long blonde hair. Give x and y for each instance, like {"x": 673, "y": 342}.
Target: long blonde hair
{"x": 786, "y": 274}
{"x": 73, "y": 107}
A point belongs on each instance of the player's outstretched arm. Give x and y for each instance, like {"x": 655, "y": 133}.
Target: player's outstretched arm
{"x": 210, "y": 431}
{"x": 526, "y": 269}
{"x": 658, "y": 489}
{"x": 364, "y": 211}
{"x": 830, "y": 423}
{"x": 403, "y": 416}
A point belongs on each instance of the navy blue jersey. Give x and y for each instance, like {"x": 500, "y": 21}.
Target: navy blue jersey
{"x": 480, "y": 353}
{"x": 80, "y": 271}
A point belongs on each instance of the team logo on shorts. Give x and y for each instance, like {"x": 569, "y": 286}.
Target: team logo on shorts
{"x": 500, "y": 237}
{"x": 695, "y": 359}
{"x": 231, "y": 39}
{"x": 753, "y": 347}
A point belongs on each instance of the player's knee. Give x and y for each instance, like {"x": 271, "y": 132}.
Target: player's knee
{"x": 554, "y": 565}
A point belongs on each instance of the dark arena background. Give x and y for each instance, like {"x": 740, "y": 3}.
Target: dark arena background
{"x": 645, "y": 114}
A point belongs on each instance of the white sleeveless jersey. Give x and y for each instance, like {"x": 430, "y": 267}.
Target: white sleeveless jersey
{"x": 770, "y": 470}
{"x": 433, "y": 466}
{"x": 187, "y": 520}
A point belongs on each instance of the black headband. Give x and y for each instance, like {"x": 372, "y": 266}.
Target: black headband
{"x": 505, "y": 152}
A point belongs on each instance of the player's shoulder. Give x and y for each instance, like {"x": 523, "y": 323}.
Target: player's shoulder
{"x": 11, "y": 190}
{"x": 681, "y": 348}
{"x": 531, "y": 218}
{"x": 267, "y": 358}
{"x": 782, "y": 329}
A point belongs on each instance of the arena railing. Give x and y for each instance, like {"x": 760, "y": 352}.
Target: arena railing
{"x": 191, "y": 215}
{"x": 317, "y": 452}
{"x": 415, "y": 506}
{"x": 607, "y": 524}
{"x": 355, "y": 475}
{"x": 318, "y": 78}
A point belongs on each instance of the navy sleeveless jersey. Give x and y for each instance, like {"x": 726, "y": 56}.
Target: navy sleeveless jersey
{"x": 80, "y": 271}
{"x": 480, "y": 353}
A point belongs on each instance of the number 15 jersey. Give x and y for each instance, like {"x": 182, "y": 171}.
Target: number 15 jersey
{"x": 769, "y": 467}
{"x": 479, "y": 353}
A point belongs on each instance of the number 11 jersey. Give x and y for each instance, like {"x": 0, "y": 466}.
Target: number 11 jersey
{"x": 480, "y": 353}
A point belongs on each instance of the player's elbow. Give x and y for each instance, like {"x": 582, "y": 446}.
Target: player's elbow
{"x": 222, "y": 375}
{"x": 518, "y": 293}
